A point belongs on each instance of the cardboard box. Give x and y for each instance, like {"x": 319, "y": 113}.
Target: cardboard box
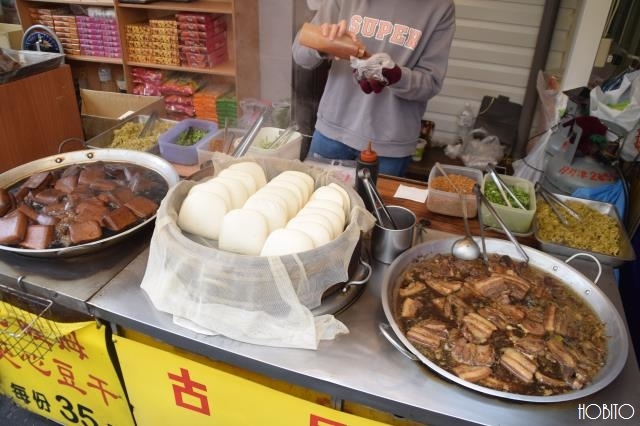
{"x": 11, "y": 36}
{"x": 102, "y": 110}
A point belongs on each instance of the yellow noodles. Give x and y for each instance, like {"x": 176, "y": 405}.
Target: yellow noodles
{"x": 126, "y": 137}
{"x": 595, "y": 231}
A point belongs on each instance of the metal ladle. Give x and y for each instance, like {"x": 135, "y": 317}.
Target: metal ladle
{"x": 466, "y": 247}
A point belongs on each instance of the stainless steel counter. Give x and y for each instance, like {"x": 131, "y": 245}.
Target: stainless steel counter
{"x": 70, "y": 281}
{"x": 362, "y": 366}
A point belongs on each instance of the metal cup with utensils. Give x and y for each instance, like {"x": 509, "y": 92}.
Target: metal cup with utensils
{"x": 379, "y": 209}
{"x": 389, "y": 243}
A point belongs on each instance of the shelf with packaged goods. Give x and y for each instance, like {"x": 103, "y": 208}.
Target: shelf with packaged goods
{"x": 241, "y": 68}
{"x": 83, "y": 66}
{"x": 241, "y": 34}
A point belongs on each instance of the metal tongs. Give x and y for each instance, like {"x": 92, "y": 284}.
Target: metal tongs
{"x": 251, "y": 134}
{"x": 386, "y": 221}
{"x": 503, "y": 187}
{"x": 148, "y": 125}
{"x": 283, "y": 137}
{"x": 483, "y": 200}
{"x": 555, "y": 202}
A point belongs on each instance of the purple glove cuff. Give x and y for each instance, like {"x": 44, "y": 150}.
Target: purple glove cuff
{"x": 392, "y": 74}
{"x": 369, "y": 85}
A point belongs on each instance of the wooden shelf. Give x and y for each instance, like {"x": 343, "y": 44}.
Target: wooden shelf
{"x": 226, "y": 69}
{"x": 104, "y": 3}
{"x": 98, "y": 59}
{"x": 195, "y": 6}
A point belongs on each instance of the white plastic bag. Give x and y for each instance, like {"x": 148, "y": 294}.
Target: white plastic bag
{"x": 622, "y": 107}
{"x": 531, "y": 167}
{"x": 552, "y": 100}
{"x": 372, "y": 66}
{"x": 481, "y": 149}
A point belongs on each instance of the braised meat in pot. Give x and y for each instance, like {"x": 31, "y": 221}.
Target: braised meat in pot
{"x": 78, "y": 204}
{"x": 506, "y": 325}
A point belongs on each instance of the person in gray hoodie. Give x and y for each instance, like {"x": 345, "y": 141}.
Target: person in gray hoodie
{"x": 416, "y": 34}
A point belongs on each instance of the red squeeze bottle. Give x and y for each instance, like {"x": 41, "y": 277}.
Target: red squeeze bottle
{"x": 342, "y": 47}
{"x": 368, "y": 159}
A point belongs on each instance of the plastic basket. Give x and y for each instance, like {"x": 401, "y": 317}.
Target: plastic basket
{"x": 180, "y": 154}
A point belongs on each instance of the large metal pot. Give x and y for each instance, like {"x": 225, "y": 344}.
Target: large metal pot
{"x": 618, "y": 341}
{"x": 150, "y": 161}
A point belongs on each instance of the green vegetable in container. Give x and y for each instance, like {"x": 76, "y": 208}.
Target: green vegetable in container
{"x": 190, "y": 136}
{"x": 493, "y": 194}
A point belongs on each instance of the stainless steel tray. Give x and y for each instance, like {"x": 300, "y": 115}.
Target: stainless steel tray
{"x": 31, "y": 62}
{"x": 104, "y": 139}
{"x": 626, "y": 249}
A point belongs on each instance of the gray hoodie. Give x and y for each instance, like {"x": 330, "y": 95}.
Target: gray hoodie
{"x": 417, "y": 35}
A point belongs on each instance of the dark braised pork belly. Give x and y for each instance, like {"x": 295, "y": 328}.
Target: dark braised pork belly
{"x": 504, "y": 325}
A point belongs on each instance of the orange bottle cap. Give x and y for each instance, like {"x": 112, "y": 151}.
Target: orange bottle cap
{"x": 369, "y": 155}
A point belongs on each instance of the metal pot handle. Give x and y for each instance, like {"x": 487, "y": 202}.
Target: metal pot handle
{"x": 62, "y": 144}
{"x": 384, "y": 329}
{"x": 592, "y": 257}
{"x": 366, "y": 277}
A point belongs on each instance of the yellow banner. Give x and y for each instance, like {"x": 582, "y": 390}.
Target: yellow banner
{"x": 60, "y": 371}
{"x": 165, "y": 388}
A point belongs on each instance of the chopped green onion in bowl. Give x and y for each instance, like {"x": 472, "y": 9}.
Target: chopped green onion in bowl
{"x": 493, "y": 194}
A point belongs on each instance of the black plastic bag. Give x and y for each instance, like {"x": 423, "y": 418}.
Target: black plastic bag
{"x": 500, "y": 117}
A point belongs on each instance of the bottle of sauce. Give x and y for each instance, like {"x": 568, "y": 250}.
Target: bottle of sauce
{"x": 341, "y": 47}
{"x": 368, "y": 159}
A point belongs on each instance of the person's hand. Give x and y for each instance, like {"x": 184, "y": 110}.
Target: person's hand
{"x": 339, "y": 31}
{"x": 331, "y": 31}
{"x": 375, "y": 85}
{"x": 377, "y": 72}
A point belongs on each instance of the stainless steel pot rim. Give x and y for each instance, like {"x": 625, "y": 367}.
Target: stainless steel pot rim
{"x": 618, "y": 341}
{"x": 150, "y": 161}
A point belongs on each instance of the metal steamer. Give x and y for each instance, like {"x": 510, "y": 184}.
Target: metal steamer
{"x": 340, "y": 296}
{"x": 618, "y": 345}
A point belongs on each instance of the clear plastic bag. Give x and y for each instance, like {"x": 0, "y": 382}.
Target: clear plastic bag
{"x": 481, "y": 149}
{"x": 259, "y": 300}
{"x": 372, "y": 66}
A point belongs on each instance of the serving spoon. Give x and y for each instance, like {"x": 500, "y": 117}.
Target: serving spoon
{"x": 466, "y": 247}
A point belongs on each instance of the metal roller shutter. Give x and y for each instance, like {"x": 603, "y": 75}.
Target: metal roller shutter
{"x": 491, "y": 54}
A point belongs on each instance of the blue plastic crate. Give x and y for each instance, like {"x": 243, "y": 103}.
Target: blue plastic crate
{"x": 187, "y": 155}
